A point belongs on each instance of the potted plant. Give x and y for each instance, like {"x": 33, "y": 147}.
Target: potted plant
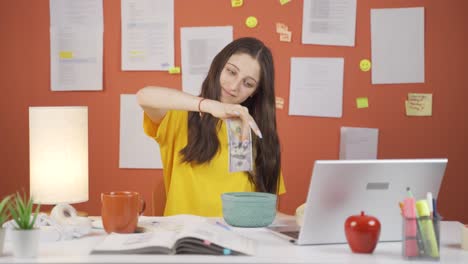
{"x": 24, "y": 238}
{"x": 3, "y": 218}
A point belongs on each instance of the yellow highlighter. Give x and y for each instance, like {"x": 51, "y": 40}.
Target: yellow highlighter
{"x": 427, "y": 229}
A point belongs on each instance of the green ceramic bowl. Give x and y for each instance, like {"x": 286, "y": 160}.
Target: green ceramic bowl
{"x": 249, "y": 209}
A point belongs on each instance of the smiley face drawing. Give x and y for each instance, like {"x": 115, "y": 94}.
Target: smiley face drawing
{"x": 365, "y": 65}
{"x": 251, "y": 22}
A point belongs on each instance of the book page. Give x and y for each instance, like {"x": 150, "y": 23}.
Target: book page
{"x": 169, "y": 223}
{"x": 150, "y": 242}
{"x": 193, "y": 235}
{"x": 211, "y": 233}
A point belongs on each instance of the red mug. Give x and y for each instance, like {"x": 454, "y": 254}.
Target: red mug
{"x": 120, "y": 211}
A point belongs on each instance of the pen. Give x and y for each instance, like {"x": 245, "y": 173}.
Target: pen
{"x": 430, "y": 203}
{"x": 410, "y": 194}
{"x": 435, "y": 220}
{"x": 223, "y": 225}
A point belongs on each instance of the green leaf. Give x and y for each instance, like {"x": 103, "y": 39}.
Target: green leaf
{"x": 22, "y": 211}
{"x": 4, "y": 214}
{"x": 35, "y": 215}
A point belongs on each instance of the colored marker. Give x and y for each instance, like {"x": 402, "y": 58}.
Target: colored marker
{"x": 410, "y": 240}
{"x": 427, "y": 229}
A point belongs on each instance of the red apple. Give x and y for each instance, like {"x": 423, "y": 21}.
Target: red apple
{"x": 362, "y": 232}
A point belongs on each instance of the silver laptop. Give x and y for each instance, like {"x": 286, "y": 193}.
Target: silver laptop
{"x": 341, "y": 188}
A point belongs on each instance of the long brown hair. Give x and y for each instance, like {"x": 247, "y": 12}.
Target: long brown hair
{"x": 203, "y": 143}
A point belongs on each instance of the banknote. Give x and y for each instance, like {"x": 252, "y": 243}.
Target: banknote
{"x": 240, "y": 152}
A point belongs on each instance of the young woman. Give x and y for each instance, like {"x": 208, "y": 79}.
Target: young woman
{"x": 192, "y": 135}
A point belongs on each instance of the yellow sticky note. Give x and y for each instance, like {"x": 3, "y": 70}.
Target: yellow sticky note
{"x": 365, "y": 65}
{"x": 418, "y": 109}
{"x": 237, "y": 3}
{"x": 419, "y": 104}
{"x": 66, "y": 54}
{"x": 286, "y": 37}
{"x": 362, "y": 102}
{"x": 420, "y": 97}
{"x": 283, "y": 2}
{"x": 174, "y": 70}
{"x": 251, "y": 22}
{"x": 279, "y": 102}
{"x": 281, "y": 28}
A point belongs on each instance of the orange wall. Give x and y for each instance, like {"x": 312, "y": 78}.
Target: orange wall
{"x": 25, "y": 81}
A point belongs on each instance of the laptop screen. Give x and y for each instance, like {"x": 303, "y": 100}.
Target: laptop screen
{"x": 341, "y": 188}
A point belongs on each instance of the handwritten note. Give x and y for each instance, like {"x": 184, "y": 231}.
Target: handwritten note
{"x": 281, "y": 28}
{"x": 279, "y": 102}
{"x": 284, "y": 33}
{"x": 286, "y": 37}
{"x": 419, "y": 104}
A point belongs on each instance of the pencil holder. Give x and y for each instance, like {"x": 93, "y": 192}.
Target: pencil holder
{"x": 421, "y": 238}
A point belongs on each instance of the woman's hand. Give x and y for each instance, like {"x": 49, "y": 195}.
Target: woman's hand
{"x": 226, "y": 111}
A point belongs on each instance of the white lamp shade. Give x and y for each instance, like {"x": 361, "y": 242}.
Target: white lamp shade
{"x": 58, "y": 154}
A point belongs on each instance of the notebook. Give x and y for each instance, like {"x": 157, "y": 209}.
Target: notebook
{"x": 341, "y": 188}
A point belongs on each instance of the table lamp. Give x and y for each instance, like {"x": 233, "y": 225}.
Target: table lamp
{"x": 58, "y": 154}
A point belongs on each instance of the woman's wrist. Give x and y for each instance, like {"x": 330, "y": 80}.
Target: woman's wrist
{"x": 200, "y": 110}
{"x": 204, "y": 105}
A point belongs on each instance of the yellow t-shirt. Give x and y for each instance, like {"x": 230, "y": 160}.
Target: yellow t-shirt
{"x": 194, "y": 189}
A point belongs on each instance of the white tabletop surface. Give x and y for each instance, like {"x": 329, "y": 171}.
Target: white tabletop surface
{"x": 272, "y": 249}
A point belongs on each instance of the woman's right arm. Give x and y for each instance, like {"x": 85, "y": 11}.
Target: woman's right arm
{"x": 155, "y": 101}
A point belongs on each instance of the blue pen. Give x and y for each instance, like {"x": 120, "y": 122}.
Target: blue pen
{"x": 223, "y": 225}
{"x": 436, "y": 221}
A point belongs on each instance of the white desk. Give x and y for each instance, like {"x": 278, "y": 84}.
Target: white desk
{"x": 272, "y": 249}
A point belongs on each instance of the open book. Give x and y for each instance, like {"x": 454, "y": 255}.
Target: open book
{"x": 183, "y": 234}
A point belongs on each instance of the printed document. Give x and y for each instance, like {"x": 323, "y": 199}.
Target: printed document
{"x": 147, "y": 35}
{"x": 397, "y": 45}
{"x": 199, "y": 45}
{"x": 316, "y": 87}
{"x": 329, "y": 22}
{"x": 358, "y": 143}
{"x": 76, "y": 45}
{"x": 137, "y": 150}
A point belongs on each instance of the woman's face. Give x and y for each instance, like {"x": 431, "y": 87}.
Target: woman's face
{"x": 239, "y": 78}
